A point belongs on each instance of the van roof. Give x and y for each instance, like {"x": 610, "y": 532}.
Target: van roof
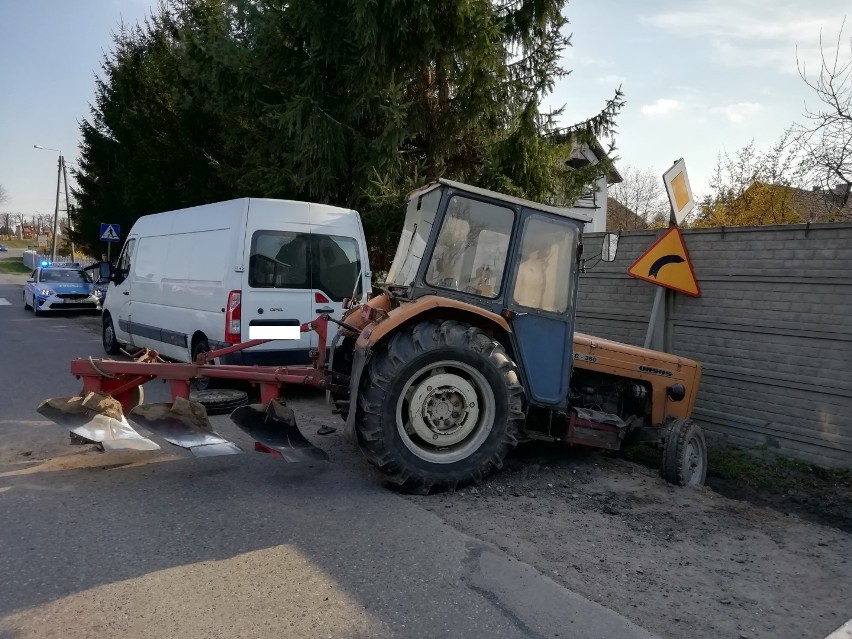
{"x": 220, "y": 212}
{"x": 572, "y": 213}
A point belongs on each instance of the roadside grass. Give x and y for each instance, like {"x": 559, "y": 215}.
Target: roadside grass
{"x": 748, "y": 468}
{"x": 13, "y": 265}
{"x": 18, "y": 243}
{"x": 778, "y": 474}
{"x": 823, "y": 495}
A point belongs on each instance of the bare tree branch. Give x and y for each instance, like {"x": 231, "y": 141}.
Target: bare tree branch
{"x": 642, "y": 192}
{"x": 825, "y": 138}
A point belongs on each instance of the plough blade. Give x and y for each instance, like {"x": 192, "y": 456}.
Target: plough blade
{"x": 97, "y": 419}
{"x": 183, "y": 423}
{"x": 273, "y": 427}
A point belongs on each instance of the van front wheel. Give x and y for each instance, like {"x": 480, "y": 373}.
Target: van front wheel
{"x": 111, "y": 345}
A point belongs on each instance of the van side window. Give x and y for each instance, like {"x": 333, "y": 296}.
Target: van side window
{"x": 122, "y": 269}
{"x": 327, "y": 263}
{"x": 337, "y": 267}
{"x": 279, "y": 259}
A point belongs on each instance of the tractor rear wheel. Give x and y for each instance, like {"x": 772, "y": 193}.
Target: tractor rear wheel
{"x": 439, "y": 407}
{"x": 684, "y": 454}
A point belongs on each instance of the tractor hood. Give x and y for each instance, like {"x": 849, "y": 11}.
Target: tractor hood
{"x": 589, "y": 344}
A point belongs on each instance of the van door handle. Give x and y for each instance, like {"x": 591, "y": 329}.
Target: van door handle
{"x": 126, "y": 293}
{"x": 323, "y": 311}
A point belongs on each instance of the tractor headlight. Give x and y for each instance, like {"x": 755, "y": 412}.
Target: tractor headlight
{"x": 676, "y": 392}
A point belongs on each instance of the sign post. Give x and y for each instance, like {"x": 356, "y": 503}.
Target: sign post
{"x": 666, "y": 263}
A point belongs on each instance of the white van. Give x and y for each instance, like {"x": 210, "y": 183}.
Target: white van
{"x": 193, "y": 280}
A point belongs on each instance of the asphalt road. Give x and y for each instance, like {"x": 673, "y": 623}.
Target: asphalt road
{"x": 159, "y": 544}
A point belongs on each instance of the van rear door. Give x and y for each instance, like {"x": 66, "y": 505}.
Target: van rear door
{"x": 337, "y": 270}
{"x": 340, "y": 264}
{"x": 277, "y": 285}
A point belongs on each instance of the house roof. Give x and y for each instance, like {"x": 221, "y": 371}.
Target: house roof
{"x": 816, "y": 205}
{"x": 622, "y": 218}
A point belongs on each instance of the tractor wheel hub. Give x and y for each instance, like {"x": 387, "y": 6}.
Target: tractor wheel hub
{"x": 444, "y": 409}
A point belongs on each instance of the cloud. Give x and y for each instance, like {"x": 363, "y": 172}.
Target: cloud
{"x": 758, "y": 33}
{"x": 586, "y": 61}
{"x": 661, "y": 107}
{"x": 614, "y": 80}
{"x": 739, "y": 111}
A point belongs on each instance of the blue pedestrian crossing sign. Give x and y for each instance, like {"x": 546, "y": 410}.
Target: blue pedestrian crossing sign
{"x": 110, "y": 232}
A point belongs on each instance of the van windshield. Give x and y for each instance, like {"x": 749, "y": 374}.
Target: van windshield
{"x": 327, "y": 263}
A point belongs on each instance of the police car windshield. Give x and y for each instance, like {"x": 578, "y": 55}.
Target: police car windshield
{"x": 66, "y": 276}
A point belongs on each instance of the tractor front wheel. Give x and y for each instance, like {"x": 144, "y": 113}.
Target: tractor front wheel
{"x": 684, "y": 454}
{"x": 439, "y": 407}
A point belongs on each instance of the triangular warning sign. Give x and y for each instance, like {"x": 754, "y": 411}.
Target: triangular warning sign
{"x": 667, "y": 264}
{"x": 110, "y": 234}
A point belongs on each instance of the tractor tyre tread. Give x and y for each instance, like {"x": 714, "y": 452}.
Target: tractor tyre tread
{"x": 378, "y": 438}
{"x": 680, "y": 431}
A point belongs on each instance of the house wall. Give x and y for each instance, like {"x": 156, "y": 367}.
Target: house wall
{"x": 595, "y": 200}
{"x": 772, "y": 330}
{"x": 598, "y": 224}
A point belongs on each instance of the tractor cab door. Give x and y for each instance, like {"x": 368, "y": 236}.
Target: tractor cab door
{"x": 541, "y": 296}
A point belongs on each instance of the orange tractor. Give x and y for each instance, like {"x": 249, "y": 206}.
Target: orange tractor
{"x": 468, "y": 347}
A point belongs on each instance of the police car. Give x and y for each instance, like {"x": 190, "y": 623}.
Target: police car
{"x": 60, "y": 287}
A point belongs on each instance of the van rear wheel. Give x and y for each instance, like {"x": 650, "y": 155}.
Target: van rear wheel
{"x": 202, "y": 383}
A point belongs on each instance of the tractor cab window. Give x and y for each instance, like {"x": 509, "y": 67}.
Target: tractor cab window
{"x": 548, "y": 252}
{"x": 470, "y": 252}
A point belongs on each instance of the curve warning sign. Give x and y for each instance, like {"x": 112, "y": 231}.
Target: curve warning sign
{"x": 667, "y": 264}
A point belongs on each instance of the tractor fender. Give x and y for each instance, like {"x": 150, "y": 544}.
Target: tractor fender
{"x": 359, "y": 362}
{"x": 429, "y": 307}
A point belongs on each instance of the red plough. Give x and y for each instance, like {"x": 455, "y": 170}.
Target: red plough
{"x": 111, "y": 400}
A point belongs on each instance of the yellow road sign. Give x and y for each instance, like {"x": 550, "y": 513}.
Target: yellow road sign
{"x": 667, "y": 264}
{"x": 679, "y": 191}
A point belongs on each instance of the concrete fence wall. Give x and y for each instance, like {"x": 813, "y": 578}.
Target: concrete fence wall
{"x": 772, "y": 329}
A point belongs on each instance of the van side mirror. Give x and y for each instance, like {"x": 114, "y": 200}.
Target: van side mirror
{"x": 609, "y": 247}
{"x": 104, "y": 271}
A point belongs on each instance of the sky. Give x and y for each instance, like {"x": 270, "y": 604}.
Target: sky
{"x": 700, "y": 77}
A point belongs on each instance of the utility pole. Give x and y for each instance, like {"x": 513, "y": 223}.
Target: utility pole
{"x": 56, "y": 212}
{"x": 67, "y": 207}
{"x": 60, "y": 171}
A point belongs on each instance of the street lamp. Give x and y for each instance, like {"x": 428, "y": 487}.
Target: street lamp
{"x": 60, "y": 174}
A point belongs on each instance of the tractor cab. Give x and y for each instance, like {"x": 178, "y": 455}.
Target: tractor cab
{"x": 470, "y": 237}
{"x": 518, "y": 259}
